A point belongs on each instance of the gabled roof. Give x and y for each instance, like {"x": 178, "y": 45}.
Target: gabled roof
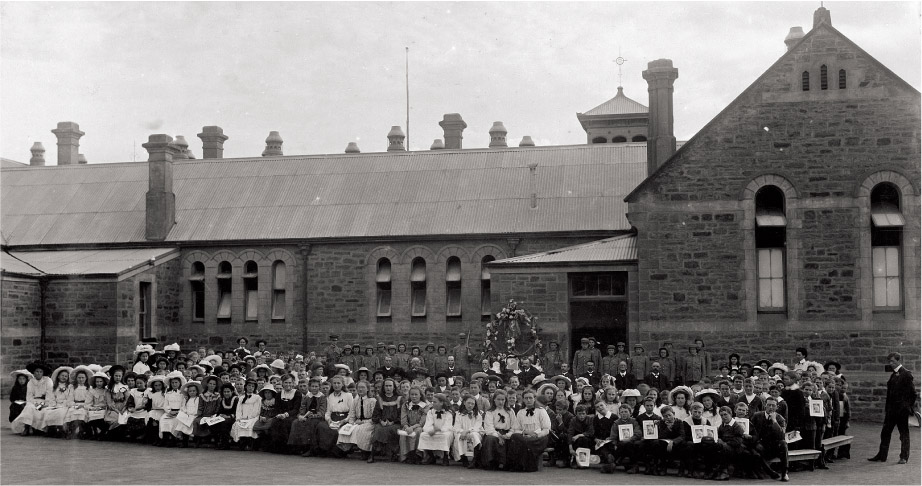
{"x": 738, "y": 100}
{"x": 4, "y": 162}
{"x": 79, "y": 262}
{"x": 619, "y": 105}
{"x": 579, "y": 188}
{"x": 616, "y": 249}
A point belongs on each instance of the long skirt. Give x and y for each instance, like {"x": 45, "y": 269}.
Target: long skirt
{"x": 15, "y": 410}
{"x": 241, "y": 430}
{"x": 408, "y": 444}
{"x": 307, "y": 432}
{"x": 387, "y": 436}
{"x": 135, "y": 427}
{"x": 182, "y": 428}
{"x": 168, "y": 425}
{"x": 199, "y": 429}
{"x": 361, "y": 436}
{"x": 493, "y": 451}
{"x": 73, "y": 414}
{"x": 465, "y": 447}
{"x": 263, "y": 425}
{"x": 53, "y": 417}
{"x": 112, "y": 419}
{"x": 525, "y": 452}
{"x": 30, "y": 416}
{"x": 280, "y": 430}
{"x": 440, "y": 441}
{"x": 221, "y": 430}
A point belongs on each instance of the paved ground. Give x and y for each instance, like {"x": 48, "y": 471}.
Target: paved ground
{"x": 39, "y": 460}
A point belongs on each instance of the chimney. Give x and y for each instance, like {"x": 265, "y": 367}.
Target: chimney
{"x": 213, "y": 138}
{"x": 395, "y": 139}
{"x": 68, "y": 134}
{"x": 81, "y": 159}
{"x": 526, "y": 142}
{"x": 453, "y": 126}
{"x": 822, "y": 15}
{"x": 660, "y": 76}
{"x": 182, "y": 148}
{"x": 273, "y": 144}
{"x": 38, "y": 154}
{"x": 160, "y": 209}
{"x": 794, "y": 37}
{"x": 498, "y": 135}
{"x": 437, "y": 145}
{"x": 353, "y": 148}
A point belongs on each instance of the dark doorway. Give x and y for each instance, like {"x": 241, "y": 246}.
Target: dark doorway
{"x": 598, "y": 308}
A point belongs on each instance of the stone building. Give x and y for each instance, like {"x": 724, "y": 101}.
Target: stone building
{"x": 791, "y": 219}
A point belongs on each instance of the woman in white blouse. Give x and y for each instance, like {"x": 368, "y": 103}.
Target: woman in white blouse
{"x": 468, "y": 433}
{"x": 37, "y": 391}
{"x": 498, "y": 425}
{"x": 529, "y": 438}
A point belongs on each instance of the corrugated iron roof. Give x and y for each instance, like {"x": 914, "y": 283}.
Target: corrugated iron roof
{"x": 4, "y": 162}
{"x": 619, "y": 105}
{"x": 478, "y": 191}
{"x": 79, "y": 262}
{"x": 621, "y": 248}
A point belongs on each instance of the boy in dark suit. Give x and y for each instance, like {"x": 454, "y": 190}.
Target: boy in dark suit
{"x": 901, "y": 397}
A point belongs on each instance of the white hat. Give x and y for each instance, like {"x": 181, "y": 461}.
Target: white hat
{"x": 196, "y": 384}
{"x": 160, "y": 378}
{"x": 278, "y": 364}
{"x": 99, "y": 374}
{"x": 538, "y": 379}
{"x": 630, "y": 392}
{"x": 298, "y": 357}
{"x": 54, "y": 374}
{"x": 343, "y": 367}
{"x": 143, "y": 348}
{"x": 172, "y": 347}
{"x": 214, "y": 357}
{"x": 21, "y": 372}
{"x": 264, "y": 367}
{"x": 176, "y": 375}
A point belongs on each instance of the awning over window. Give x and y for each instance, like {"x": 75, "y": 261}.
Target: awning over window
{"x": 384, "y": 272}
{"x": 453, "y": 273}
{"x": 770, "y": 218}
{"x": 887, "y": 216}
{"x": 418, "y": 272}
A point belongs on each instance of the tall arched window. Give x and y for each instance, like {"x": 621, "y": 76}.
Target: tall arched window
{"x": 805, "y": 81}
{"x": 824, "y": 78}
{"x": 771, "y": 238}
{"x": 842, "y": 79}
{"x": 251, "y": 291}
{"x": 453, "y": 287}
{"x": 279, "y": 281}
{"x": 197, "y": 283}
{"x": 486, "y": 303}
{"x": 224, "y": 290}
{"x": 886, "y": 239}
{"x": 418, "y": 287}
{"x": 618, "y": 139}
{"x": 599, "y": 140}
{"x": 639, "y": 138}
{"x": 383, "y": 285}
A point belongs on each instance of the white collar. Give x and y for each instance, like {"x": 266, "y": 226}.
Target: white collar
{"x": 897, "y": 369}
{"x": 607, "y": 414}
{"x": 732, "y": 421}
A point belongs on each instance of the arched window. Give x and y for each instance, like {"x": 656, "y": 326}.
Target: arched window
{"x": 486, "y": 303}
{"x": 599, "y": 140}
{"x": 639, "y": 138}
{"x": 279, "y": 281}
{"x": 805, "y": 81}
{"x": 383, "y": 285}
{"x": 418, "y": 287}
{"x": 618, "y": 139}
{"x": 842, "y": 79}
{"x": 771, "y": 238}
{"x": 886, "y": 239}
{"x": 824, "y": 79}
{"x": 197, "y": 283}
{"x": 224, "y": 290}
{"x": 251, "y": 291}
{"x": 453, "y": 287}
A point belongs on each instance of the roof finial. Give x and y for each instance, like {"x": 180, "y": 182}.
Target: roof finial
{"x": 619, "y": 61}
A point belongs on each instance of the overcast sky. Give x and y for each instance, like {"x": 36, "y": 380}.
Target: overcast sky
{"x": 325, "y": 74}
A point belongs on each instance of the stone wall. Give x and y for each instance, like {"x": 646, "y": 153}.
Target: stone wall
{"x": 21, "y": 320}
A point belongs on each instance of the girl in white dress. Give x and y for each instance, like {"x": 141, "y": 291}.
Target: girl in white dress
{"x": 438, "y": 431}
{"x": 156, "y": 395}
{"x": 37, "y": 391}
{"x": 173, "y": 399}
{"x": 58, "y": 402}
{"x": 248, "y": 408}
{"x": 75, "y": 418}
{"x": 363, "y": 407}
{"x": 468, "y": 433}
{"x": 188, "y": 411}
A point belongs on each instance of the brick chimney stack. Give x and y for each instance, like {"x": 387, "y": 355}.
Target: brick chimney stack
{"x": 822, "y": 15}
{"x": 68, "y": 134}
{"x": 660, "y": 76}
{"x": 38, "y": 154}
{"x": 395, "y": 139}
{"x": 453, "y": 127}
{"x": 160, "y": 209}
{"x": 498, "y": 135}
{"x": 353, "y": 148}
{"x": 437, "y": 144}
{"x": 273, "y": 144}
{"x": 526, "y": 141}
{"x": 213, "y": 139}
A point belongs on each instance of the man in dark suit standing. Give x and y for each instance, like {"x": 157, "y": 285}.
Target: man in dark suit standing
{"x": 623, "y": 379}
{"x": 656, "y": 378}
{"x": 901, "y": 396}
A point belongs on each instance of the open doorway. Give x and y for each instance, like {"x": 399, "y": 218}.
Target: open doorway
{"x": 598, "y": 308}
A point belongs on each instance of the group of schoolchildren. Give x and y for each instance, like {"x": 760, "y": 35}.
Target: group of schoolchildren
{"x": 635, "y": 413}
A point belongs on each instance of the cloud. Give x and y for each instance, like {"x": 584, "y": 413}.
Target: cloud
{"x": 153, "y": 124}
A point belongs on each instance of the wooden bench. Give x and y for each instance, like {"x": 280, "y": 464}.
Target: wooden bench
{"x": 837, "y": 441}
{"x": 801, "y": 455}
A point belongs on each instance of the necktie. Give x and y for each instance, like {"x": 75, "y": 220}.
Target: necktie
{"x": 502, "y": 418}
{"x": 530, "y": 412}
{"x": 361, "y": 409}
{"x": 438, "y": 414}
{"x": 415, "y": 407}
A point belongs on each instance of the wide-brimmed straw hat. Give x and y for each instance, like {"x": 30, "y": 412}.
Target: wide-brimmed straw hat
{"x": 714, "y": 394}
{"x": 24, "y": 372}
{"x": 215, "y": 357}
{"x": 176, "y": 375}
{"x": 99, "y": 374}
{"x": 57, "y": 371}
{"x": 277, "y": 364}
{"x": 143, "y": 348}
{"x": 689, "y": 393}
{"x": 556, "y": 378}
{"x": 171, "y": 347}
{"x": 196, "y": 384}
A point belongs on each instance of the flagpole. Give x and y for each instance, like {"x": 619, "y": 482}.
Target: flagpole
{"x": 407, "y": 72}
